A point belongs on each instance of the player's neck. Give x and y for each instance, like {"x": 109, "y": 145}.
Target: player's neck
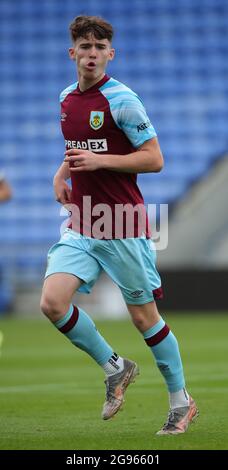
{"x": 85, "y": 83}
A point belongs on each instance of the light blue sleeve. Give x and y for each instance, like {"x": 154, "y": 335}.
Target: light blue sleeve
{"x": 66, "y": 91}
{"x": 134, "y": 122}
{"x": 128, "y": 112}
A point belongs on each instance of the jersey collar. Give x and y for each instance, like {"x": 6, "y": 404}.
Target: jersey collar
{"x": 94, "y": 87}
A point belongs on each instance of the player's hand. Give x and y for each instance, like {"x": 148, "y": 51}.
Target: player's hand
{"x": 62, "y": 191}
{"x": 82, "y": 160}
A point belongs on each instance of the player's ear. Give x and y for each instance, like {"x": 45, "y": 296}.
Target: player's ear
{"x": 111, "y": 54}
{"x": 72, "y": 53}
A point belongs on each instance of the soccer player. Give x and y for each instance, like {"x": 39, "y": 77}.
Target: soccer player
{"x": 109, "y": 139}
{"x": 5, "y": 190}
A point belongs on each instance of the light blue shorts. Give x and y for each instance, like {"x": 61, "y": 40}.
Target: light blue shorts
{"x": 129, "y": 262}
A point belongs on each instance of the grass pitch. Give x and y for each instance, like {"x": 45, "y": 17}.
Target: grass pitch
{"x": 51, "y": 394}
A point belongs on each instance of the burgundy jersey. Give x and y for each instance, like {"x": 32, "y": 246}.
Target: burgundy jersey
{"x": 108, "y": 118}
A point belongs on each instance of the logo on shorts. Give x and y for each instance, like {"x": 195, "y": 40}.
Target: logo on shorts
{"x": 96, "y": 119}
{"x": 137, "y": 293}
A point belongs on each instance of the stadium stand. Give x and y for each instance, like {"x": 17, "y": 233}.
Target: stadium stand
{"x": 174, "y": 54}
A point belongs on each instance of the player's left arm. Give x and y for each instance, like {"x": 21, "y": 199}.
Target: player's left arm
{"x": 147, "y": 158}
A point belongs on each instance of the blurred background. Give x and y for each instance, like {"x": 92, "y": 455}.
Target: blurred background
{"x": 175, "y": 56}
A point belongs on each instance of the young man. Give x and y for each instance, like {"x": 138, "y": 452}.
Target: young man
{"x": 109, "y": 139}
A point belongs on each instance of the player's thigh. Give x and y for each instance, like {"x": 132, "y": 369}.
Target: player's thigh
{"x": 131, "y": 263}
{"x": 69, "y": 268}
{"x": 59, "y": 288}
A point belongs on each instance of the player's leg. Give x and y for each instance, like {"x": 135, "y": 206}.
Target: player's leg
{"x": 164, "y": 347}
{"x": 73, "y": 322}
{"x": 58, "y": 290}
{"x": 68, "y": 264}
{"x": 140, "y": 284}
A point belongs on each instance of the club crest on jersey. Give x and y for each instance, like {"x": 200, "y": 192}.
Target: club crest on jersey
{"x": 96, "y": 119}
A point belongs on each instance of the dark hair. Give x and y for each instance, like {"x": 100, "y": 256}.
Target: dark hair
{"x": 82, "y": 26}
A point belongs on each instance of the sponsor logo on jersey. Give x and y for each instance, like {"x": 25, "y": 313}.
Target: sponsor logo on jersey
{"x": 143, "y": 126}
{"x": 96, "y": 119}
{"x": 95, "y": 145}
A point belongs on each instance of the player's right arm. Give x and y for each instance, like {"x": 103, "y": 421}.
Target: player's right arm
{"x": 61, "y": 188}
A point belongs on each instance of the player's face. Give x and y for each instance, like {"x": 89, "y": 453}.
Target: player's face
{"x": 91, "y": 56}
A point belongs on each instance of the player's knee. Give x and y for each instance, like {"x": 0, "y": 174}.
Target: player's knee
{"x": 139, "y": 321}
{"x": 50, "y": 307}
